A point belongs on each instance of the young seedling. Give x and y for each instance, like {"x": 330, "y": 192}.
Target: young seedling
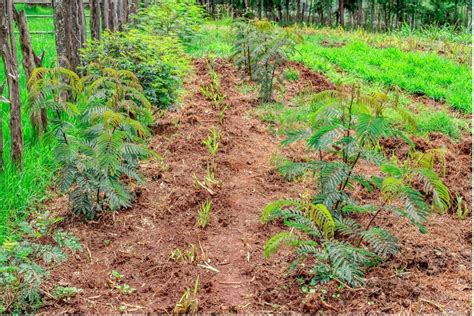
{"x": 188, "y": 303}
{"x": 212, "y": 145}
{"x": 184, "y": 256}
{"x": 204, "y": 213}
{"x": 222, "y": 114}
{"x": 212, "y": 91}
{"x": 462, "y": 210}
{"x": 65, "y": 293}
{"x": 208, "y": 183}
{"x": 125, "y": 289}
{"x": 212, "y": 141}
{"x": 116, "y": 282}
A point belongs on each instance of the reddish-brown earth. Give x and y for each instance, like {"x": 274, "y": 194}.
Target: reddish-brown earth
{"x": 432, "y": 273}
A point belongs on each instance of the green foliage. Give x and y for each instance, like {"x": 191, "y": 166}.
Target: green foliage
{"x": 213, "y": 91}
{"x": 273, "y": 244}
{"x": 98, "y": 154}
{"x": 212, "y": 38}
{"x": 65, "y": 293}
{"x": 204, "y": 214}
{"x": 291, "y": 74}
{"x": 158, "y": 62}
{"x": 24, "y": 264}
{"x": 462, "y": 209}
{"x": 411, "y": 71}
{"x": 441, "y": 122}
{"x": 349, "y": 125}
{"x": 170, "y": 17}
{"x": 188, "y": 303}
{"x": 260, "y": 48}
{"x": 212, "y": 141}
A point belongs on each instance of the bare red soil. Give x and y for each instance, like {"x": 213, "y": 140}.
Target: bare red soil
{"x": 432, "y": 273}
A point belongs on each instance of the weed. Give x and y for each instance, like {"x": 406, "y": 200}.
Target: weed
{"x": 204, "y": 213}
{"x": 24, "y": 264}
{"x": 65, "y": 293}
{"x": 122, "y": 308}
{"x": 410, "y": 71}
{"x": 116, "y": 282}
{"x": 188, "y": 302}
{"x": 116, "y": 276}
{"x": 440, "y": 121}
{"x": 208, "y": 183}
{"x": 125, "y": 289}
{"x": 462, "y": 209}
{"x": 184, "y": 256}
{"x": 291, "y": 74}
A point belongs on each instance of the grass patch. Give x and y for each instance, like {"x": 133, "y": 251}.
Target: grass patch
{"x": 415, "y": 72}
{"x": 20, "y": 191}
{"x": 214, "y": 38}
{"x": 441, "y": 122}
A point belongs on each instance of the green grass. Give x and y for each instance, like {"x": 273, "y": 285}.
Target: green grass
{"x": 214, "y": 38}
{"x": 19, "y": 192}
{"x": 415, "y": 72}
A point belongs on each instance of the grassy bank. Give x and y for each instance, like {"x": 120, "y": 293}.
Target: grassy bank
{"x": 21, "y": 191}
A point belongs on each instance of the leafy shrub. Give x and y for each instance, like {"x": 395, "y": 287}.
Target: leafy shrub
{"x": 98, "y": 154}
{"x": 170, "y": 17}
{"x": 21, "y": 273}
{"x": 348, "y": 126}
{"x": 260, "y": 48}
{"x": 159, "y": 62}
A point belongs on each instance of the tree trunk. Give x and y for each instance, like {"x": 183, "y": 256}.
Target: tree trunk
{"x": 114, "y": 21}
{"x": 30, "y": 61}
{"x": 280, "y": 12}
{"x": 105, "y": 15}
{"x": 10, "y": 61}
{"x": 120, "y": 13}
{"x": 298, "y": 10}
{"x": 95, "y": 19}
{"x": 341, "y": 13}
{"x": 62, "y": 30}
{"x": 303, "y": 10}
{"x": 372, "y": 14}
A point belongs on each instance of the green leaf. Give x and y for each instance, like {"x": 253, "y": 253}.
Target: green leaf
{"x": 273, "y": 244}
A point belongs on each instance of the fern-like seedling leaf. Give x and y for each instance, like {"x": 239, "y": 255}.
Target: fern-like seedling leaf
{"x": 273, "y": 244}
{"x": 272, "y": 208}
{"x": 381, "y": 241}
